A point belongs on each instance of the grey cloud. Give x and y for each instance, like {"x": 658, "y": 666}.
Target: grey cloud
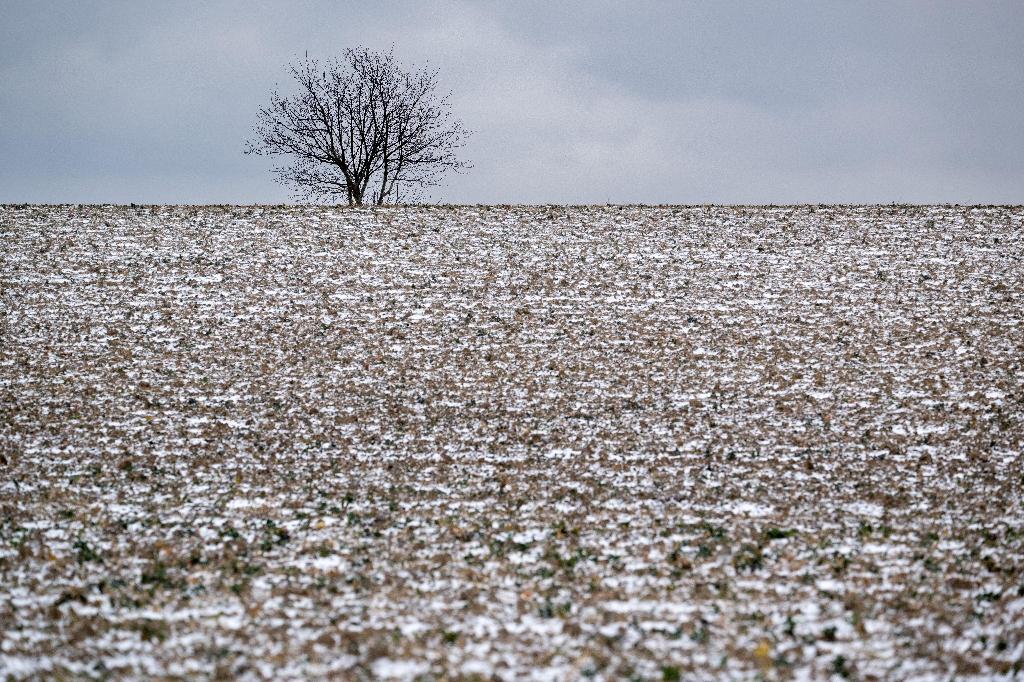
{"x": 571, "y": 102}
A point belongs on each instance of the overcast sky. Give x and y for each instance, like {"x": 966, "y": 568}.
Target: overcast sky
{"x": 571, "y": 102}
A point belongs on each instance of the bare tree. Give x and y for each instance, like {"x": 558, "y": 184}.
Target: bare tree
{"x": 361, "y": 129}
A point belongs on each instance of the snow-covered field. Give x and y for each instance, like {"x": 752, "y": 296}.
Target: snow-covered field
{"x": 522, "y": 442}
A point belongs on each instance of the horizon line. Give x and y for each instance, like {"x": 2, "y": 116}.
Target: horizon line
{"x": 363, "y": 207}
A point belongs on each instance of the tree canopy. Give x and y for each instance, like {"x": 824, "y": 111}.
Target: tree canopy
{"x": 360, "y": 129}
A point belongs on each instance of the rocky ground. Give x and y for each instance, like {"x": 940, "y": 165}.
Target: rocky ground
{"x": 512, "y": 442}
